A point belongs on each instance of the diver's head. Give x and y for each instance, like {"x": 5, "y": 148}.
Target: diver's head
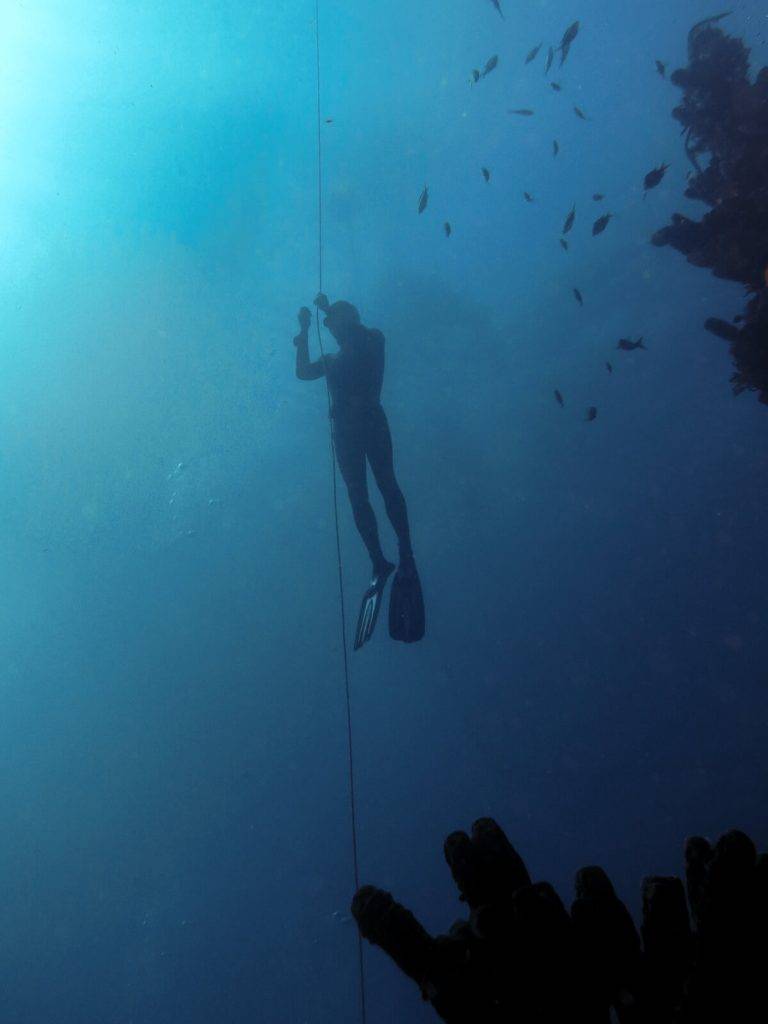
{"x": 341, "y": 319}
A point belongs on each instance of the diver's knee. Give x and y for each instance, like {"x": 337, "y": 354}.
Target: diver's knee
{"x": 394, "y": 498}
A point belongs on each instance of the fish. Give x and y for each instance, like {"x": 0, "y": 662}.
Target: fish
{"x": 556, "y": 86}
{"x": 486, "y": 174}
{"x": 598, "y": 197}
{"x": 601, "y": 224}
{"x": 580, "y": 113}
{"x": 654, "y": 177}
{"x": 490, "y": 64}
{"x": 630, "y": 346}
{"x": 569, "y": 220}
{"x": 556, "y": 147}
{"x": 523, "y": 111}
{"x": 559, "y": 398}
{"x": 579, "y": 297}
{"x": 497, "y": 5}
{"x": 722, "y": 329}
{"x": 738, "y": 319}
{"x": 609, "y": 368}
{"x": 564, "y": 244}
{"x": 591, "y": 414}
{"x": 424, "y": 200}
{"x": 661, "y": 68}
{"x": 329, "y": 120}
{"x": 568, "y": 38}
{"x": 475, "y": 76}
{"x": 570, "y": 34}
{"x": 528, "y": 197}
{"x": 447, "y": 229}
{"x": 533, "y": 54}
{"x": 550, "y": 58}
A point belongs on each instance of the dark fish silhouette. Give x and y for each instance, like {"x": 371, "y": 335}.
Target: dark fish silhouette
{"x": 559, "y": 398}
{"x": 556, "y": 86}
{"x": 497, "y": 5}
{"x": 550, "y": 58}
{"x": 567, "y": 39}
{"x": 601, "y": 224}
{"x": 490, "y": 64}
{"x": 556, "y": 147}
{"x": 569, "y": 221}
{"x": 475, "y": 76}
{"x": 528, "y": 197}
{"x": 722, "y": 329}
{"x": 598, "y": 197}
{"x": 661, "y": 68}
{"x": 630, "y": 346}
{"x": 329, "y": 120}
{"x": 486, "y": 174}
{"x": 424, "y": 200}
{"x": 654, "y": 177}
{"x": 580, "y": 113}
{"x": 533, "y": 54}
{"x": 609, "y": 368}
{"x": 578, "y": 295}
{"x": 564, "y": 244}
{"x": 591, "y": 413}
{"x": 523, "y": 111}
{"x": 447, "y": 228}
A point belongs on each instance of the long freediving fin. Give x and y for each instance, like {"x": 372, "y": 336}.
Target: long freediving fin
{"x": 370, "y": 606}
{"x": 407, "y": 618}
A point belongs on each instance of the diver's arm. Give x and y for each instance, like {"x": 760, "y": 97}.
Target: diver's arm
{"x": 305, "y": 369}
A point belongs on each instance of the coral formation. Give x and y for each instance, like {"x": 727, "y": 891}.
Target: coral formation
{"x": 521, "y": 957}
{"x": 725, "y": 117}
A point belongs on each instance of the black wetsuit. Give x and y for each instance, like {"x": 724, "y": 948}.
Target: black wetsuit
{"x": 361, "y": 433}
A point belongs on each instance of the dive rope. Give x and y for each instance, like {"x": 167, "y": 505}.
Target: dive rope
{"x": 334, "y": 475}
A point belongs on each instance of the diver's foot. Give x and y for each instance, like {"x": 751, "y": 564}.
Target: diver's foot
{"x": 407, "y": 619}
{"x": 369, "y": 608}
{"x": 407, "y": 566}
{"x": 382, "y": 571}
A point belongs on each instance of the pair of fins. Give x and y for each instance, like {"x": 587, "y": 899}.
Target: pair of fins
{"x": 406, "y": 605}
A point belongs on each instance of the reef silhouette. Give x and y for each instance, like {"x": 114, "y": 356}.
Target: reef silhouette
{"x": 522, "y": 957}
{"x": 725, "y": 116}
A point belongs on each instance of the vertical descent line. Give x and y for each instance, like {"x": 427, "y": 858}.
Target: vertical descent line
{"x": 351, "y": 763}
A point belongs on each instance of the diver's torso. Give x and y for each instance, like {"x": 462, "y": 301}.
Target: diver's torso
{"x": 355, "y": 377}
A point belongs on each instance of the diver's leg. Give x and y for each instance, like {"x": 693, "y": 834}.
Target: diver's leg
{"x": 350, "y": 455}
{"x": 379, "y": 451}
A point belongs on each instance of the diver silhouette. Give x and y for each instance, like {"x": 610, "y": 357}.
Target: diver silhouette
{"x": 361, "y": 437}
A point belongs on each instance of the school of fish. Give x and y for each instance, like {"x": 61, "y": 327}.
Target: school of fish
{"x": 652, "y": 179}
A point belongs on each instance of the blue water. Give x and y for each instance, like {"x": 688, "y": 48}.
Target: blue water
{"x": 176, "y": 837}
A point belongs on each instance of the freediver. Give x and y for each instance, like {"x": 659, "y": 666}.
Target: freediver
{"x": 360, "y": 437}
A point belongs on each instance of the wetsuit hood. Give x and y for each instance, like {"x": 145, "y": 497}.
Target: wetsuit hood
{"x": 341, "y": 316}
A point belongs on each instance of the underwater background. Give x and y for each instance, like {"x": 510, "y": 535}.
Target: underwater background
{"x": 174, "y": 790}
